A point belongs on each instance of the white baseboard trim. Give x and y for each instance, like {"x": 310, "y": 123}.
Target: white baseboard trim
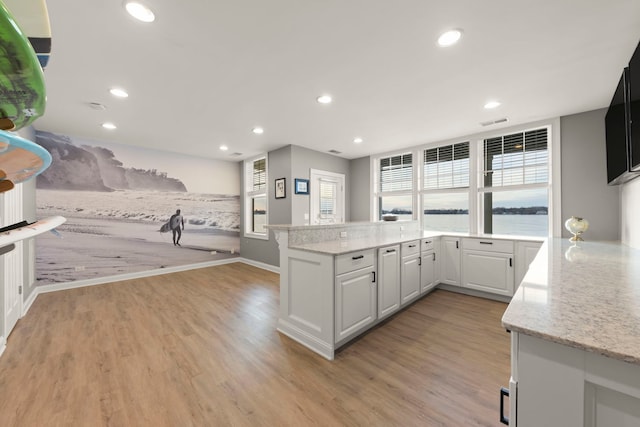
{"x": 120, "y": 277}
{"x": 262, "y": 265}
{"x": 3, "y": 345}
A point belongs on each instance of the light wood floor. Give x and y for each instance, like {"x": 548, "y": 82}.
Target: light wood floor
{"x": 201, "y": 348}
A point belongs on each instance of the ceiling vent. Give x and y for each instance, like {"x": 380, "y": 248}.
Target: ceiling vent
{"x": 495, "y": 122}
{"x": 236, "y": 154}
{"x": 97, "y": 106}
{"x": 335, "y": 152}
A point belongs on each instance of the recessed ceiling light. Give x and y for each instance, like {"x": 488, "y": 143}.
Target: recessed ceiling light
{"x": 258, "y": 130}
{"x": 357, "y": 140}
{"x": 139, "y": 11}
{"x": 109, "y": 126}
{"x": 324, "y": 99}
{"x": 224, "y": 148}
{"x": 449, "y": 38}
{"x": 117, "y": 92}
{"x": 491, "y": 105}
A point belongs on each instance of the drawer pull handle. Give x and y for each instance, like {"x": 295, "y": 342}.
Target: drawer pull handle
{"x": 390, "y": 250}
{"x": 456, "y": 244}
{"x": 503, "y": 392}
{"x": 357, "y": 257}
{"x": 420, "y": 261}
{"x": 486, "y": 243}
{"x": 374, "y": 277}
{"x": 412, "y": 246}
{"x": 427, "y": 242}
{"x": 434, "y": 256}
{"x": 510, "y": 262}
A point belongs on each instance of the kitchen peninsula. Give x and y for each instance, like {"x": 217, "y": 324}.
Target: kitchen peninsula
{"x": 339, "y": 280}
{"x": 575, "y": 337}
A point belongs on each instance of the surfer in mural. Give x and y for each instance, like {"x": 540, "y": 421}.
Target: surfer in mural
{"x": 175, "y": 222}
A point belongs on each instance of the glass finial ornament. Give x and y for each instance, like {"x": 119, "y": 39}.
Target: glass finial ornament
{"x": 576, "y": 226}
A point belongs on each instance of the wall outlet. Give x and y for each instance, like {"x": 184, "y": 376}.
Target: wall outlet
{"x": 79, "y": 268}
{"x": 343, "y": 234}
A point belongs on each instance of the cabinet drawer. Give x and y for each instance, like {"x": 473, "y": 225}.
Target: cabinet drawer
{"x": 427, "y": 244}
{"x": 410, "y": 248}
{"x": 488, "y": 245}
{"x": 354, "y": 261}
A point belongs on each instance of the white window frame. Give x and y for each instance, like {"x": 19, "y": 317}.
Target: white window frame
{"x": 424, "y": 192}
{"x": 249, "y": 194}
{"x": 554, "y": 183}
{"x": 481, "y": 190}
{"x": 377, "y": 193}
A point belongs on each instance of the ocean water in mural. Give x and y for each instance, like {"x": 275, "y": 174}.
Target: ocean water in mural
{"x": 116, "y": 198}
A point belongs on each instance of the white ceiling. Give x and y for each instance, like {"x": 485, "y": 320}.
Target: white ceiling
{"x": 207, "y": 71}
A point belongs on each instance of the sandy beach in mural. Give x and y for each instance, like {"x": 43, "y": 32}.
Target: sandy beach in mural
{"x": 111, "y": 233}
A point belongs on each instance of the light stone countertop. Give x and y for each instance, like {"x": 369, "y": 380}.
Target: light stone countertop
{"x": 586, "y": 296}
{"x": 343, "y": 246}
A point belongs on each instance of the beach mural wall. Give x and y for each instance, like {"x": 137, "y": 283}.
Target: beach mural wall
{"x": 117, "y": 197}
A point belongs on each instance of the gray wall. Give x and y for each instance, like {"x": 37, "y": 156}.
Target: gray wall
{"x": 584, "y": 176}
{"x": 289, "y": 162}
{"x": 304, "y": 159}
{"x": 360, "y": 189}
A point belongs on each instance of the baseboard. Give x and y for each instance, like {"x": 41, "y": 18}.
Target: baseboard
{"x": 129, "y": 276}
{"x": 262, "y": 265}
{"x": 474, "y": 293}
{"x": 3, "y": 345}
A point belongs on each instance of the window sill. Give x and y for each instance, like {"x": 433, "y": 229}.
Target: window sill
{"x": 258, "y": 236}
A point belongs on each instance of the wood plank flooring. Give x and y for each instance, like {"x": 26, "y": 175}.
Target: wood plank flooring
{"x": 200, "y": 348}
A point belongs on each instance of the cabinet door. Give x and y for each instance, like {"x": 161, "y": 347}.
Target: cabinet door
{"x": 410, "y": 278}
{"x": 427, "y": 278}
{"x": 355, "y": 302}
{"x": 388, "y": 280}
{"x": 488, "y": 271}
{"x": 450, "y": 260}
{"x": 436, "y": 264}
{"x": 525, "y": 253}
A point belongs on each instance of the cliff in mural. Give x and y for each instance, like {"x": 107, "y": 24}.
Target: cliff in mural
{"x": 95, "y": 169}
{"x": 72, "y": 168}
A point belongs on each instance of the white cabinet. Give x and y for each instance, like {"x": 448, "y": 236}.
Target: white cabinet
{"x": 573, "y": 386}
{"x": 388, "y": 280}
{"x": 410, "y": 272}
{"x": 428, "y": 267}
{"x": 356, "y": 295}
{"x": 487, "y": 265}
{"x": 450, "y": 260}
{"x": 525, "y": 253}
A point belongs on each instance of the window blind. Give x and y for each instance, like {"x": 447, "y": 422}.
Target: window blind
{"x": 328, "y": 197}
{"x": 446, "y": 167}
{"x": 396, "y": 173}
{"x": 516, "y": 159}
{"x": 259, "y": 174}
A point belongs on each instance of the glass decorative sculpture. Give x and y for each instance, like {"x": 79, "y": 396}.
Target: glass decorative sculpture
{"x": 576, "y": 226}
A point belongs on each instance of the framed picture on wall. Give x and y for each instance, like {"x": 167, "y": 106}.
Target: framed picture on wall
{"x": 281, "y": 188}
{"x": 302, "y": 186}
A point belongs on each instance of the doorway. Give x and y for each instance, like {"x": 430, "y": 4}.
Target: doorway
{"x": 327, "y": 197}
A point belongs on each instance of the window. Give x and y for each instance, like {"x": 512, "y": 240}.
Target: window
{"x": 395, "y": 189}
{"x": 445, "y": 188}
{"x": 256, "y": 197}
{"x": 514, "y": 184}
{"x": 505, "y": 184}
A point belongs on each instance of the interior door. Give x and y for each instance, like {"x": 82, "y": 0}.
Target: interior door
{"x": 327, "y": 197}
{"x": 11, "y": 263}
